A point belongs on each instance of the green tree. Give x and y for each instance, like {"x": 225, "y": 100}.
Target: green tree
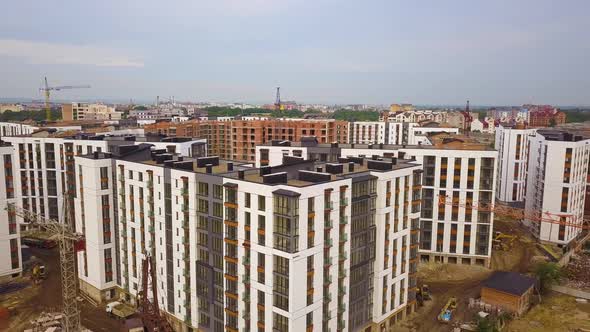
{"x": 140, "y": 108}
{"x": 548, "y": 274}
{"x": 356, "y": 115}
{"x": 486, "y": 324}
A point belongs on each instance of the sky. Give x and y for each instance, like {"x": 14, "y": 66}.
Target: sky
{"x": 500, "y": 52}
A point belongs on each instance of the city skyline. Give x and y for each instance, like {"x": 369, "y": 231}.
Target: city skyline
{"x": 497, "y": 53}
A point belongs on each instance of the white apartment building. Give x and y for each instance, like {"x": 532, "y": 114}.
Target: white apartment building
{"x": 10, "y": 247}
{"x": 393, "y": 133}
{"x": 15, "y": 129}
{"x": 44, "y": 166}
{"x": 557, "y": 172}
{"x": 308, "y": 246}
{"x": 459, "y": 176}
{"x": 413, "y": 115}
{"x": 513, "y": 145}
{"x": 88, "y": 111}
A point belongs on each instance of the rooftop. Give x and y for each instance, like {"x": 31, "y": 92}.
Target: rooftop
{"x": 440, "y": 141}
{"x": 568, "y": 135}
{"x": 510, "y": 282}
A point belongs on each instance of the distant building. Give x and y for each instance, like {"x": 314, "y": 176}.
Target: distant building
{"x": 409, "y": 114}
{"x": 393, "y": 108}
{"x": 11, "y": 107}
{"x": 544, "y": 116}
{"x": 86, "y": 111}
{"x": 237, "y": 139}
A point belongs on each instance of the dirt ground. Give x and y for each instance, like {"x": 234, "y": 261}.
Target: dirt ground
{"x": 445, "y": 281}
{"x": 31, "y": 301}
{"x": 464, "y": 282}
{"x": 523, "y": 254}
{"x": 556, "y": 312}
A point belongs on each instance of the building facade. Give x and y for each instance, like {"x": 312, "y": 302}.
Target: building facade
{"x": 308, "y": 246}
{"x": 237, "y": 139}
{"x": 513, "y": 145}
{"x": 10, "y": 246}
{"x": 556, "y": 191}
{"x": 87, "y": 111}
{"x": 459, "y": 178}
{"x": 16, "y": 129}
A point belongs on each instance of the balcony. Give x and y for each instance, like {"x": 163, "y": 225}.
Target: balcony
{"x": 327, "y": 280}
{"x": 343, "y": 220}
{"x": 245, "y": 260}
{"x": 184, "y": 191}
{"x": 343, "y": 237}
{"x": 150, "y": 184}
{"x": 341, "y": 292}
{"x": 329, "y": 205}
{"x": 341, "y": 308}
{"x": 328, "y": 224}
{"x": 344, "y": 201}
{"x": 327, "y": 297}
{"x": 327, "y": 261}
{"x": 343, "y": 256}
{"x": 328, "y": 243}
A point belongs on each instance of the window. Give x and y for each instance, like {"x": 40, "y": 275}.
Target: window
{"x": 280, "y": 323}
{"x": 203, "y": 189}
{"x": 217, "y": 191}
{"x": 104, "y": 178}
{"x": 247, "y": 199}
{"x": 217, "y": 210}
{"x": 261, "y": 203}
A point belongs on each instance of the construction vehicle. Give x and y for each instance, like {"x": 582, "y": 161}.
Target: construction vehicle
{"x": 70, "y": 243}
{"x": 120, "y": 310}
{"x": 503, "y": 241}
{"x": 46, "y": 91}
{"x": 446, "y": 314}
{"x": 38, "y": 273}
{"x": 423, "y": 294}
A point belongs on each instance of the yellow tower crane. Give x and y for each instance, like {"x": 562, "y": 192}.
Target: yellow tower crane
{"x": 70, "y": 243}
{"x": 46, "y": 90}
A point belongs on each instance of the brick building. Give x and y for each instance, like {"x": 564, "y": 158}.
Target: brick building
{"x": 544, "y": 116}
{"x": 237, "y": 139}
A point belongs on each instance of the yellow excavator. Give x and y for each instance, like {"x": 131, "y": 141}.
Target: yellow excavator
{"x": 503, "y": 241}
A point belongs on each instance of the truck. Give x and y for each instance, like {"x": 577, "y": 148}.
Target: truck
{"x": 120, "y": 310}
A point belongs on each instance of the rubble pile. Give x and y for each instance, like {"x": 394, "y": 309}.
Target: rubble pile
{"x": 578, "y": 271}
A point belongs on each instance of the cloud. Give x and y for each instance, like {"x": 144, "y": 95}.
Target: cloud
{"x": 66, "y": 54}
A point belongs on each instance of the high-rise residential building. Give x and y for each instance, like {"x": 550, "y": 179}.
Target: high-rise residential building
{"x": 237, "y": 139}
{"x": 556, "y": 190}
{"x": 88, "y": 111}
{"x": 44, "y": 169}
{"x": 513, "y": 145}
{"x": 459, "y": 177}
{"x": 302, "y": 246}
{"x": 10, "y": 246}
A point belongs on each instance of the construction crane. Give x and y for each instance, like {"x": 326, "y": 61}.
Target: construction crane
{"x": 148, "y": 310}
{"x": 467, "y": 118}
{"x": 70, "y": 243}
{"x": 278, "y": 106}
{"x": 46, "y": 90}
{"x": 563, "y": 219}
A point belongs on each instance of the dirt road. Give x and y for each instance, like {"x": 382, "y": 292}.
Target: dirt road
{"x": 47, "y": 297}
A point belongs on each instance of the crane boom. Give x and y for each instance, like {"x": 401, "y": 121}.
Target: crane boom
{"x": 69, "y": 243}
{"x": 46, "y": 91}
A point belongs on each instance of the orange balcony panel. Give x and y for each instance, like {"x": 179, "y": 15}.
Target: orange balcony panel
{"x": 230, "y": 205}
{"x": 261, "y": 231}
{"x": 232, "y": 223}
{"x": 231, "y": 259}
{"x": 231, "y": 312}
{"x": 230, "y": 241}
{"x": 231, "y": 295}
